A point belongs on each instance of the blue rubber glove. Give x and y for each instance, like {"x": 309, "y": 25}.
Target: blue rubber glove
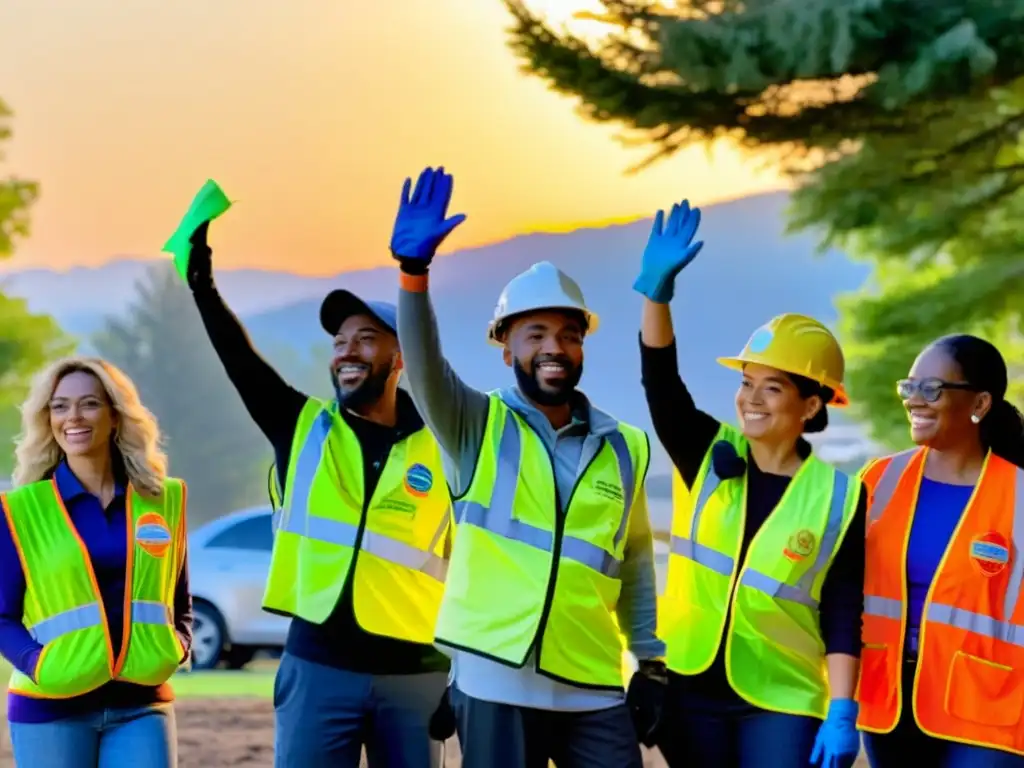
{"x": 669, "y": 248}
{"x": 421, "y": 226}
{"x": 838, "y": 741}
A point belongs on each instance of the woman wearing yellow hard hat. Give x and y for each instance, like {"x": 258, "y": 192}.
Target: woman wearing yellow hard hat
{"x": 761, "y": 611}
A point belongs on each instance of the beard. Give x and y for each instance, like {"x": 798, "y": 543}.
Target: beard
{"x": 560, "y": 394}
{"x": 366, "y": 392}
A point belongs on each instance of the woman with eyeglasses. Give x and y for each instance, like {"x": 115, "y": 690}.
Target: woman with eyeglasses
{"x": 942, "y": 667}
{"x": 95, "y": 609}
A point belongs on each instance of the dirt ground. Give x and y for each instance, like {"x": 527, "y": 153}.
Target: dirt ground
{"x": 216, "y": 733}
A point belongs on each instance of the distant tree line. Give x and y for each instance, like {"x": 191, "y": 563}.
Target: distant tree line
{"x": 212, "y": 443}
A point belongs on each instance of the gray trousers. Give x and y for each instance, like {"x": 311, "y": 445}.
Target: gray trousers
{"x": 323, "y": 717}
{"x": 501, "y": 736}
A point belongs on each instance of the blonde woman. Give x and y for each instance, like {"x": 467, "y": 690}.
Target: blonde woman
{"x": 95, "y": 612}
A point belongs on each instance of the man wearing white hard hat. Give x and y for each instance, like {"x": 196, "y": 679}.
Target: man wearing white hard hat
{"x": 553, "y": 553}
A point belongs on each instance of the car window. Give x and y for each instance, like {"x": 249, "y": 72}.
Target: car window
{"x": 253, "y": 533}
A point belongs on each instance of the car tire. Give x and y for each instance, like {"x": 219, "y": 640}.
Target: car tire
{"x": 208, "y": 636}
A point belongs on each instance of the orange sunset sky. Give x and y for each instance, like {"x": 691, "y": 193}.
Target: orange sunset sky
{"x": 309, "y": 113}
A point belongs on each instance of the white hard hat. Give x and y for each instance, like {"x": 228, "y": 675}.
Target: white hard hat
{"x": 542, "y": 286}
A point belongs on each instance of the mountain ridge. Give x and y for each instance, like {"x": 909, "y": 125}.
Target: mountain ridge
{"x": 748, "y": 271}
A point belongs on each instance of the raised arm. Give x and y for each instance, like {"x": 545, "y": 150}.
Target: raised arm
{"x": 684, "y": 431}
{"x": 455, "y": 412}
{"x": 271, "y": 402}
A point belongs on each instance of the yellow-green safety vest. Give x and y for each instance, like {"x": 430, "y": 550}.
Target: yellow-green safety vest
{"x": 516, "y": 580}
{"x": 774, "y": 651}
{"x": 63, "y": 606}
{"x": 402, "y": 540}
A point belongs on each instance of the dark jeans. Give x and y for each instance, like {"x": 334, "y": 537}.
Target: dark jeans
{"x": 890, "y": 750}
{"x": 699, "y": 732}
{"x": 501, "y": 736}
{"x": 323, "y": 717}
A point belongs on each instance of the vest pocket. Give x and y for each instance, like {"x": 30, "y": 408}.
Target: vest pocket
{"x": 876, "y": 686}
{"x": 58, "y": 678}
{"x": 984, "y": 692}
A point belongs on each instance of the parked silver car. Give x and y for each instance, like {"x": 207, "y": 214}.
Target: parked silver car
{"x": 229, "y": 559}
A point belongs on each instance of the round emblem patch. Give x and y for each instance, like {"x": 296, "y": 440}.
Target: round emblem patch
{"x": 990, "y": 552}
{"x": 760, "y": 341}
{"x": 799, "y": 546}
{"x": 418, "y": 480}
{"x": 152, "y": 534}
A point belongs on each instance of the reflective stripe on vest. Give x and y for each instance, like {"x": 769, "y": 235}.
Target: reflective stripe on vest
{"x": 723, "y": 564}
{"x": 987, "y": 626}
{"x": 90, "y": 615}
{"x": 502, "y": 523}
{"x": 298, "y": 519}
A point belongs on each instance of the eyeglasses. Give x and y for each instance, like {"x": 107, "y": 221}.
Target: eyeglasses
{"x": 929, "y": 389}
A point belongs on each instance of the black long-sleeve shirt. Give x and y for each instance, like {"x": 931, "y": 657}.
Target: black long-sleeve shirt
{"x": 275, "y": 407}
{"x": 687, "y": 434}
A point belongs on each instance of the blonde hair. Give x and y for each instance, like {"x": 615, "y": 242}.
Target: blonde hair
{"x": 136, "y": 439}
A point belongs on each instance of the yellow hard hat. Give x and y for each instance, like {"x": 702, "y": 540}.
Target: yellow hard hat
{"x": 799, "y": 345}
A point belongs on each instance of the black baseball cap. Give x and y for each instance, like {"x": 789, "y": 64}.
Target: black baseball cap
{"x": 339, "y": 305}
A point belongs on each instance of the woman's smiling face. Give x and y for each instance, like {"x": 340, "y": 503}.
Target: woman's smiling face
{"x": 81, "y": 416}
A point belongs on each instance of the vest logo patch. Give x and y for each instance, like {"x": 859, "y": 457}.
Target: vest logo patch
{"x": 990, "y": 552}
{"x": 418, "y": 480}
{"x": 152, "y": 534}
{"x": 799, "y": 545}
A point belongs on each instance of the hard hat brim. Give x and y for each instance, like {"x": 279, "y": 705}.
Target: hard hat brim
{"x": 839, "y": 399}
{"x": 592, "y": 321}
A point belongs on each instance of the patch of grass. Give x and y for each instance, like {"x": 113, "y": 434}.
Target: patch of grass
{"x": 217, "y": 683}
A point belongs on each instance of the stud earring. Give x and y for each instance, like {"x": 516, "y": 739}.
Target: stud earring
{"x": 974, "y": 418}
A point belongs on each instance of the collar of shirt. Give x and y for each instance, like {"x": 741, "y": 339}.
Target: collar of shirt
{"x": 407, "y": 422}
{"x": 71, "y": 488}
{"x": 586, "y": 418}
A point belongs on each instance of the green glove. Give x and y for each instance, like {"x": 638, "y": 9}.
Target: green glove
{"x": 209, "y": 203}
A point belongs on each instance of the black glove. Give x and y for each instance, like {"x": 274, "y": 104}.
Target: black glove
{"x": 442, "y": 722}
{"x": 200, "y": 262}
{"x": 645, "y": 699}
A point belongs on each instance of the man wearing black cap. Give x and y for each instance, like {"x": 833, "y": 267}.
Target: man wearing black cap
{"x": 361, "y": 542}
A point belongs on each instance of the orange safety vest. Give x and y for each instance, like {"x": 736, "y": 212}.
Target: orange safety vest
{"x": 969, "y": 681}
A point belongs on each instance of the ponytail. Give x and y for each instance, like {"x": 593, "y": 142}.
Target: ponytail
{"x": 1002, "y": 430}
{"x": 983, "y": 366}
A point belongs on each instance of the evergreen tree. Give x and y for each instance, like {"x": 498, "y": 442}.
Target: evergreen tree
{"x": 27, "y": 341}
{"x": 784, "y": 74}
{"x": 212, "y": 443}
{"x": 902, "y": 121}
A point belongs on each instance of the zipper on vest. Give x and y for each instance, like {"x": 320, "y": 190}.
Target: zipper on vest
{"x": 561, "y": 514}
